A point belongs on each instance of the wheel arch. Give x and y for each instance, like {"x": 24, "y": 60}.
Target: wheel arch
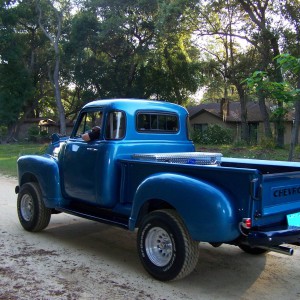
{"x": 206, "y": 210}
{"x": 28, "y": 177}
{"x": 44, "y": 171}
{"x": 149, "y": 206}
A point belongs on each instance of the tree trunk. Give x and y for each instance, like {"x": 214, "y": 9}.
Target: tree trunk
{"x": 60, "y": 108}
{"x": 244, "y": 119}
{"x": 265, "y": 116}
{"x": 257, "y": 14}
{"x": 55, "y": 43}
{"x": 280, "y": 127}
{"x": 279, "y": 78}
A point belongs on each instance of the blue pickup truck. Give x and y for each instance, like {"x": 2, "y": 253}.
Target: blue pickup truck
{"x": 141, "y": 171}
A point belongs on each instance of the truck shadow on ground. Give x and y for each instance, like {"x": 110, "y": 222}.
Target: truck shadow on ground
{"x": 226, "y": 270}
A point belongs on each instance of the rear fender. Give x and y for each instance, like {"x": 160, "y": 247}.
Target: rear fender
{"x": 206, "y": 210}
{"x": 46, "y": 172}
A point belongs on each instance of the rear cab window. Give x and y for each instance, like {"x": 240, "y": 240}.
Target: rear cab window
{"x": 157, "y": 122}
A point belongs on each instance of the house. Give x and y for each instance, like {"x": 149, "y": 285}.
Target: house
{"x": 41, "y": 125}
{"x": 228, "y": 115}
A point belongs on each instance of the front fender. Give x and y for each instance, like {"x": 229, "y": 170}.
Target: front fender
{"x": 45, "y": 170}
{"x": 206, "y": 209}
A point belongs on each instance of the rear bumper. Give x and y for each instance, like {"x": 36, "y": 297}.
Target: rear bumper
{"x": 274, "y": 236}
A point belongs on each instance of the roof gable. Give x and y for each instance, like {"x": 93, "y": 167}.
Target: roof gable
{"x": 233, "y": 114}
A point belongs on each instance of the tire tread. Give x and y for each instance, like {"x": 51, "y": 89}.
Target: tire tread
{"x": 43, "y": 213}
{"x": 191, "y": 247}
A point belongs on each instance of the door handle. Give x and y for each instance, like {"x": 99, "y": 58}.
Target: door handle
{"x": 92, "y": 149}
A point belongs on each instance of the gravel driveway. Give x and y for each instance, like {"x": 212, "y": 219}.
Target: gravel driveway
{"x": 79, "y": 259}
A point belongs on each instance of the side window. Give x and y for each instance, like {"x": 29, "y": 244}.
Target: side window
{"x": 188, "y": 128}
{"x": 115, "y": 125}
{"x": 157, "y": 122}
{"x": 89, "y": 120}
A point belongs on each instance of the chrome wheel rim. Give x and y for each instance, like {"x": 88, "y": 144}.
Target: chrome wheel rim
{"x": 26, "y": 207}
{"x": 159, "y": 247}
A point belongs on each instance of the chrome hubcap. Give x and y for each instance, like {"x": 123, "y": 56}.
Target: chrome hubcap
{"x": 159, "y": 247}
{"x": 26, "y": 207}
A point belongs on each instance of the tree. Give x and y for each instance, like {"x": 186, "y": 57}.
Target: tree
{"x": 17, "y": 86}
{"x": 291, "y": 11}
{"x": 126, "y": 50}
{"x": 291, "y": 64}
{"x": 219, "y": 31}
{"x": 50, "y": 20}
{"x": 267, "y": 43}
{"x": 281, "y": 91}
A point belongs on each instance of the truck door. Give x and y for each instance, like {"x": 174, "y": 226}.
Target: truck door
{"x": 82, "y": 160}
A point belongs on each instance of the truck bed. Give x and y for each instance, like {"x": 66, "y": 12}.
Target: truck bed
{"x": 250, "y": 183}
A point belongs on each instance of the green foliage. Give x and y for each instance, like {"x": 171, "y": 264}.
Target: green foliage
{"x": 289, "y": 63}
{"x": 124, "y": 49}
{"x": 141, "y": 49}
{"x": 267, "y": 143}
{"x": 15, "y": 81}
{"x": 3, "y": 132}
{"x": 35, "y": 135}
{"x": 213, "y": 135}
{"x": 260, "y": 81}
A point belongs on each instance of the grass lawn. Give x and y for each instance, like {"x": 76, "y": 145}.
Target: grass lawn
{"x": 9, "y": 154}
{"x": 256, "y": 152}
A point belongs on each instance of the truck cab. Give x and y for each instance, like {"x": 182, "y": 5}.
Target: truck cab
{"x": 89, "y": 170}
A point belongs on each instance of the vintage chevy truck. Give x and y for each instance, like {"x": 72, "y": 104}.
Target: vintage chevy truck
{"x": 143, "y": 173}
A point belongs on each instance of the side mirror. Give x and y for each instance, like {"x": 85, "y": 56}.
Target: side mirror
{"x": 55, "y": 138}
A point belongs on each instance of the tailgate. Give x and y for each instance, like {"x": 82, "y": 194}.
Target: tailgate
{"x": 280, "y": 193}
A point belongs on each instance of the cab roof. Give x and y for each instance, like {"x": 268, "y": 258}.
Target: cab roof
{"x": 133, "y": 105}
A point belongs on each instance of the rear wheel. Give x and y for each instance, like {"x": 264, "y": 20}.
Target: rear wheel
{"x": 252, "y": 250}
{"x": 32, "y": 213}
{"x": 165, "y": 248}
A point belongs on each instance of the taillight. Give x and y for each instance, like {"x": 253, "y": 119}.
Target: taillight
{"x": 247, "y": 223}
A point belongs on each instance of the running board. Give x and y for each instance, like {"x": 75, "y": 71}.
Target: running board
{"x": 100, "y": 216}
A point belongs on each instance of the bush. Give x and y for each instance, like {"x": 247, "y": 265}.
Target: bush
{"x": 34, "y": 135}
{"x": 213, "y": 135}
{"x": 267, "y": 143}
{"x": 3, "y": 133}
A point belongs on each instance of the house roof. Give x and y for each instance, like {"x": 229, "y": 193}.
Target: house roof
{"x": 233, "y": 114}
{"x": 47, "y": 122}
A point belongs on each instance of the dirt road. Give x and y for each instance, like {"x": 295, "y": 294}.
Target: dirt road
{"x": 80, "y": 259}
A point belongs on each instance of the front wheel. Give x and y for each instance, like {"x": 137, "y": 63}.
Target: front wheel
{"x": 165, "y": 248}
{"x": 33, "y": 214}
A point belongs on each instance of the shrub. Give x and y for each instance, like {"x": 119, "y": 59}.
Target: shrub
{"x": 213, "y": 135}
{"x": 35, "y": 135}
{"x": 3, "y": 133}
{"x": 267, "y": 143}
